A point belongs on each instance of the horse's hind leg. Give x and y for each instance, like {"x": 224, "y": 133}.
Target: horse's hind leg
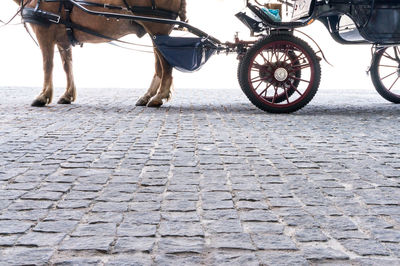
{"x": 164, "y": 92}
{"x": 47, "y": 48}
{"x": 66, "y": 58}
{"x": 155, "y": 83}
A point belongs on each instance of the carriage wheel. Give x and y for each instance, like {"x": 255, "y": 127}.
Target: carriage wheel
{"x": 280, "y": 74}
{"x": 385, "y": 73}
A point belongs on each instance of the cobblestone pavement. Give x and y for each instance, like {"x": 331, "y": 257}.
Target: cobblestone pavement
{"x": 206, "y": 179}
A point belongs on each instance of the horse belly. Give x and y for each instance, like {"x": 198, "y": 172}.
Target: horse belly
{"x": 111, "y": 28}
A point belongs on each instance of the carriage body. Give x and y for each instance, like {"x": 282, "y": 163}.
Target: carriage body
{"x": 373, "y": 21}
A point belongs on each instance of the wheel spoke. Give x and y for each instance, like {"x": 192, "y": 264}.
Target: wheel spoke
{"x": 388, "y": 66}
{"x": 389, "y": 56}
{"x": 259, "y": 84}
{"x": 283, "y": 56}
{"x": 394, "y": 83}
{"x": 293, "y": 87}
{"x": 275, "y": 94}
{"x": 389, "y": 75}
{"x": 287, "y": 95}
{"x": 296, "y": 78}
{"x": 258, "y": 80}
{"x": 259, "y": 67}
{"x": 286, "y": 55}
{"x": 270, "y": 55}
{"x": 259, "y": 64}
{"x": 300, "y": 67}
{"x": 299, "y": 57}
{"x": 276, "y": 55}
{"x": 256, "y": 66}
{"x": 265, "y": 59}
{"x": 265, "y": 90}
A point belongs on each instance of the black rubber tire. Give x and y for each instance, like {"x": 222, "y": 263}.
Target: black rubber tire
{"x": 263, "y": 104}
{"x": 376, "y": 79}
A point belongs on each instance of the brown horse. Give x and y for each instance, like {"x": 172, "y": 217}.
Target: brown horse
{"x": 55, "y": 35}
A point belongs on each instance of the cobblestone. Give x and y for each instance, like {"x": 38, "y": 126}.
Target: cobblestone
{"x": 177, "y": 245}
{"x": 39, "y": 239}
{"x": 207, "y": 179}
{"x": 132, "y": 244}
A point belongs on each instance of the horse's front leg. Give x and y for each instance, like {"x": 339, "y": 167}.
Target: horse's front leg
{"x": 47, "y": 48}
{"x": 155, "y": 83}
{"x": 66, "y": 58}
{"x": 164, "y": 92}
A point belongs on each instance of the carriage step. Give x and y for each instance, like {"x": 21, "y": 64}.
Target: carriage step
{"x": 351, "y": 35}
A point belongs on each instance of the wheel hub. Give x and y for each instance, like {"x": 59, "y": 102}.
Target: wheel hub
{"x": 277, "y": 73}
{"x": 281, "y": 74}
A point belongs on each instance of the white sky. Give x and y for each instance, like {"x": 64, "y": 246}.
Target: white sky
{"x": 102, "y": 65}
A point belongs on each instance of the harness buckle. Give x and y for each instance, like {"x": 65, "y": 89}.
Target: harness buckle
{"x": 55, "y": 19}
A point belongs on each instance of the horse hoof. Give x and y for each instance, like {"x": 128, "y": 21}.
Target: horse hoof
{"x": 64, "y": 101}
{"x": 38, "y": 103}
{"x": 141, "y": 102}
{"x": 154, "y": 104}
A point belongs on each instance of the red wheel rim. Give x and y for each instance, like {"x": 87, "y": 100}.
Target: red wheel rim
{"x": 272, "y": 74}
{"x": 389, "y": 70}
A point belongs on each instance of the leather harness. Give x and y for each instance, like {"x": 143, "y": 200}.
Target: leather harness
{"x": 38, "y": 16}
{"x": 68, "y": 6}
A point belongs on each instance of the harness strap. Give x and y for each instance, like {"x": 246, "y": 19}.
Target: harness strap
{"x": 153, "y": 10}
{"x": 37, "y": 5}
{"x": 87, "y": 30}
{"x": 68, "y": 7}
{"x": 37, "y": 15}
{"x": 140, "y": 10}
{"x": 99, "y": 5}
{"x": 46, "y": 18}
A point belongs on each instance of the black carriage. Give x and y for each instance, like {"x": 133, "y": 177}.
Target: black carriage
{"x": 279, "y": 72}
